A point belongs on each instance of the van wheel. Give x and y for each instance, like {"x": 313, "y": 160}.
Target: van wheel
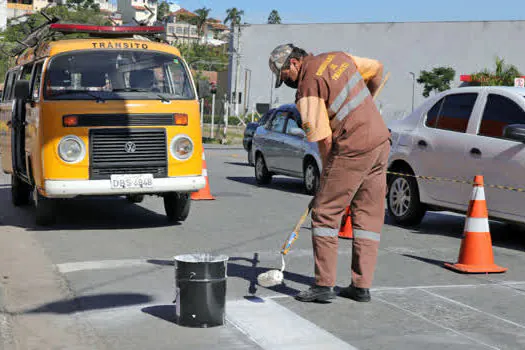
{"x": 20, "y": 191}
{"x": 403, "y": 201}
{"x": 311, "y": 178}
{"x": 135, "y": 198}
{"x": 177, "y": 206}
{"x": 45, "y": 209}
{"x": 262, "y": 175}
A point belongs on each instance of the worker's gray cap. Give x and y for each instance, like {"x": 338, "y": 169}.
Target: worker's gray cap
{"x": 278, "y": 58}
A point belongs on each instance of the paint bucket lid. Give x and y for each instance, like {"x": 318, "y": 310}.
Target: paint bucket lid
{"x": 200, "y": 258}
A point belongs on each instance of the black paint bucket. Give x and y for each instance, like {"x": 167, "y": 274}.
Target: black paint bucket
{"x": 200, "y": 287}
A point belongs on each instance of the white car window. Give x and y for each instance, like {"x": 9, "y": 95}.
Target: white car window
{"x": 499, "y": 112}
{"x": 452, "y": 112}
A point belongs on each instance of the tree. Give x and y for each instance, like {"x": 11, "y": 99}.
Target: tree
{"x": 233, "y": 16}
{"x": 503, "y": 75}
{"x": 438, "y": 79}
{"x": 274, "y": 17}
{"x": 162, "y": 11}
{"x": 82, "y": 5}
{"x": 201, "y": 19}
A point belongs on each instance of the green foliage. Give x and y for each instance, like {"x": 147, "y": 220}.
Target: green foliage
{"x": 83, "y": 5}
{"x": 204, "y": 57}
{"x": 163, "y": 10}
{"x": 503, "y": 75}
{"x": 438, "y": 79}
{"x": 274, "y": 17}
{"x": 233, "y": 16}
{"x": 201, "y": 19}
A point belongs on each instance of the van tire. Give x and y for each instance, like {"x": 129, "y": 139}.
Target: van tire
{"x": 45, "y": 209}
{"x": 20, "y": 191}
{"x": 135, "y": 198}
{"x": 177, "y": 206}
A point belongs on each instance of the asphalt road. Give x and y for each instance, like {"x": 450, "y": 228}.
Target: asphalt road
{"x": 103, "y": 276}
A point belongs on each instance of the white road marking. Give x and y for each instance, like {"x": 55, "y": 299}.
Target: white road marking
{"x": 474, "y": 309}
{"x": 273, "y": 326}
{"x": 100, "y": 265}
{"x": 435, "y": 323}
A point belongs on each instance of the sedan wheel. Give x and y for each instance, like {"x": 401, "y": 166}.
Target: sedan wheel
{"x": 262, "y": 175}
{"x": 311, "y": 178}
{"x": 403, "y": 201}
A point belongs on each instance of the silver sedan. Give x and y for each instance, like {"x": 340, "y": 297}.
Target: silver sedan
{"x": 280, "y": 148}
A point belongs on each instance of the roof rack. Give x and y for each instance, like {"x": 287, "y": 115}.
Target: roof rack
{"x": 110, "y": 31}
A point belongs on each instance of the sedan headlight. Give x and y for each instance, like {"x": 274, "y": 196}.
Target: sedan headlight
{"x": 71, "y": 149}
{"x": 181, "y": 147}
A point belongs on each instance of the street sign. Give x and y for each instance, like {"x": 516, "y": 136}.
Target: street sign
{"x": 519, "y": 82}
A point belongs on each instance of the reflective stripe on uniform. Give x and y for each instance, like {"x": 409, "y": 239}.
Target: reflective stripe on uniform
{"x": 374, "y": 236}
{"x": 343, "y": 95}
{"x": 325, "y": 232}
{"x": 352, "y": 104}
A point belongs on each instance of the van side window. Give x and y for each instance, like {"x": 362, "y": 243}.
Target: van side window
{"x": 36, "y": 79}
{"x": 26, "y": 72}
{"x": 8, "y": 86}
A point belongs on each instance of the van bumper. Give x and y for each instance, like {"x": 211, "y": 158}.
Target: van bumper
{"x": 73, "y": 188}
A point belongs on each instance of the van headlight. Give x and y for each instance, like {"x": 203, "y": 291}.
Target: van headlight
{"x": 71, "y": 149}
{"x": 181, "y": 147}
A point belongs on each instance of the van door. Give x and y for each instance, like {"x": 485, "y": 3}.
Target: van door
{"x": 6, "y": 110}
{"x": 19, "y": 128}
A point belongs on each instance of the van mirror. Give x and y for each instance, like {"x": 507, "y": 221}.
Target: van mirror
{"x": 22, "y": 90}
{"x": 297, "y": 132}
{"x": 515, "y": 132}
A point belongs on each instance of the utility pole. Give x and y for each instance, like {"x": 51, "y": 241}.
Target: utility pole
{"x": 237, "y": 73}
{"x": 413, "y": 87}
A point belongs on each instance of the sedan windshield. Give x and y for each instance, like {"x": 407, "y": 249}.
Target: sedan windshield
{"x": 117, "y": 75}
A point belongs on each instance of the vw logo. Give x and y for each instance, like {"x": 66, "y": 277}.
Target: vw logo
{"x": 130, "y": 147}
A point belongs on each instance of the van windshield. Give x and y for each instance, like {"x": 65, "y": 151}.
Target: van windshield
{"x": 117, "y": 75}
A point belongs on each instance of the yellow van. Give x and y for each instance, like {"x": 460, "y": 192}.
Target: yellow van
{"x": 116, "y": 113}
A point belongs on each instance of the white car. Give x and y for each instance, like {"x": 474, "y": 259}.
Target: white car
{"x": 457, "y": 134}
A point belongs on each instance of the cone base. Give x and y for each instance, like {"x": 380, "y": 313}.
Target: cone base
{"x": 491, "y": 268}
{"x": 196, "y": 196}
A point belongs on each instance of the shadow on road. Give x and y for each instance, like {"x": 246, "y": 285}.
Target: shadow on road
{"x": 452, "y": 225}
{"x": 285, "y": 184}
{"x": 91, "y": 302}
{"x": 240, "y": 164}
{"x": 164, "y": 312}
{"x": 97, "y": 213}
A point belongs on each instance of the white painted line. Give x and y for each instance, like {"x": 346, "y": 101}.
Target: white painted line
{"x": 435, "y": 323}
{"x": 99, "y": 265}
{"x": 272, "y": 326}
{"x": 6, "y": 335}
{"x": 474, "y": 309}
{"x": 495, "y": 284}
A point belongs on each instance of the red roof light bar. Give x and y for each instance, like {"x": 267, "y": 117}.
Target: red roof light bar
{"x": 86, "y": 28}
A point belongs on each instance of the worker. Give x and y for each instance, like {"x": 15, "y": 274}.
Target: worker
{"x": 337, "y": 111}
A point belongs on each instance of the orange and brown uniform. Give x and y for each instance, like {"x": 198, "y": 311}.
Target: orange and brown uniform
{"x": 334, "y": 102}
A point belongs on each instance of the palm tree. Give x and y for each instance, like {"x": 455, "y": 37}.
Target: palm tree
{"x": 274, "y": 17}
{"x": 201, "y": 19}
{"x": 234, "y": 16}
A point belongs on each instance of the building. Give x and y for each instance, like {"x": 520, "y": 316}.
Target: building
{"x": 403, "y": 48}
{"x": 137, "y": 10}
{"x": 179, "y": 28}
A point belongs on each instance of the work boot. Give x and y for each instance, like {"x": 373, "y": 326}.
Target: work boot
{"x": 316, "y": 293}
{"x": 355, "y": 293}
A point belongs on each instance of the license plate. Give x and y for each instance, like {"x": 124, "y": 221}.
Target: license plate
{"x": 132, "y": 181}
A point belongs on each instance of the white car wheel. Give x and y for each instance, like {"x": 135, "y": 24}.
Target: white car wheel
{"x": 403, "y": 201}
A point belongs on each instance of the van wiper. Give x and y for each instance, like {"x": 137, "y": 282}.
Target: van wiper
{"x": 70, "y": 92}
{"x": 162, "y": 98}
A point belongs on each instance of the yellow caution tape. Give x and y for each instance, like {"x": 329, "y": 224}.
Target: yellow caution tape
{"x": 434, "y": 178}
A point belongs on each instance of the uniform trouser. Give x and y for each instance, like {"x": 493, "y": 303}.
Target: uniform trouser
{"x": 361, "y": 182}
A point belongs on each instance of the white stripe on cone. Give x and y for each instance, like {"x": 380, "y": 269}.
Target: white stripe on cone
{"x": 476, "y": 225}
{"x": 478, "y": 193}
{"x": 204, "y": 172}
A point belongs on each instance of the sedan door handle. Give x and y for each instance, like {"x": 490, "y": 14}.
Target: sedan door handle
{"x": 422, "y": 143}
{"x": 475, "y": 152}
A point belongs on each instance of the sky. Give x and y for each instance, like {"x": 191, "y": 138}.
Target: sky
{"x": 348, "y": 11}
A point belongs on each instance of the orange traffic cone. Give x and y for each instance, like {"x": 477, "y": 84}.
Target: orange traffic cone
{"x": 475, "y": 254}
{"x": 346, "y": 225}
{"x": 203, "y": 193}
